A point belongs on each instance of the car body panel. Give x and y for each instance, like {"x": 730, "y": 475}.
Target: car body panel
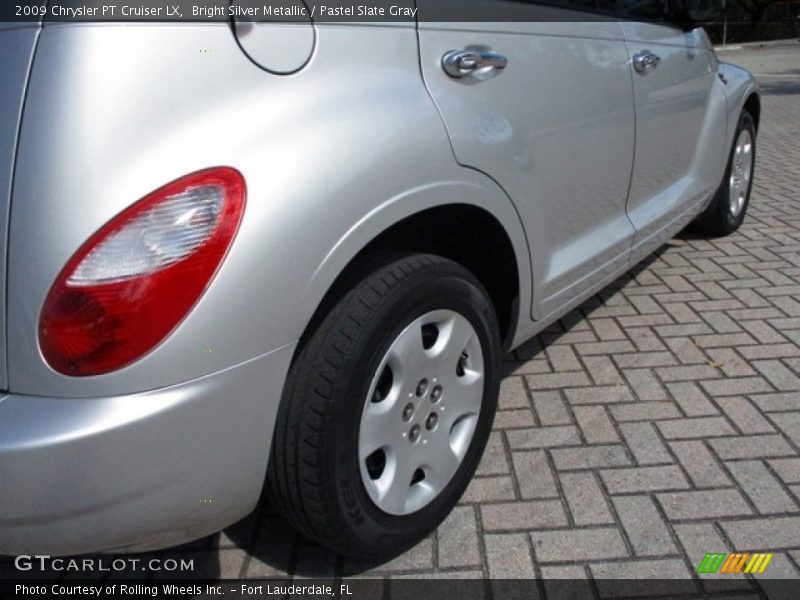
{"x": 17, "y": 43}
{"x": 680, "y": 127}
{"x": 101, "y": 159}
{"x": 548, "y": 150}
{"x": 738, "y": 85}
{"x": 155, "y": 469}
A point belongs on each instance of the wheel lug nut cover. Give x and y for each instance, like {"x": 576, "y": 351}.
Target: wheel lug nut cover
{"x": 431, "y": 421}
{"x": 422, "y": 387}
{"x": 413, "y": 434}
{"x": 408, "y": 412}
{"x": 436, "y": 393}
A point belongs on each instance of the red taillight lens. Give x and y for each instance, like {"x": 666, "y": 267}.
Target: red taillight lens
{"x": 134, "y": 280}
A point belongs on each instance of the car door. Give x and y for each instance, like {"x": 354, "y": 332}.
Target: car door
{"x": 679, "y": 133}
{"x": 555, "y": 128}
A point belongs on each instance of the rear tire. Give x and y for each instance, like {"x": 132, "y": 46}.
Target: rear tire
{"x": 376, "y": 372}
{"x": 728, "y": 207}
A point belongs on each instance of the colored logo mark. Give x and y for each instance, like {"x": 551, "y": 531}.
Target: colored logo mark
{"x": 739, "y": 562}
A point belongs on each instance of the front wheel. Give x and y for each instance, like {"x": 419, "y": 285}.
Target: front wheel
{"x": 387, "y": 408}
{"x": 727, "y": 209}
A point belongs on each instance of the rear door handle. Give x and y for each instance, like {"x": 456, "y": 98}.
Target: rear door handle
{"x": 480, "y": 64}
{"x": 645, "y": 62}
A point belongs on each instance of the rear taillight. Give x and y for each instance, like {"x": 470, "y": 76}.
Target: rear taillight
{"x": 134, "y": 280}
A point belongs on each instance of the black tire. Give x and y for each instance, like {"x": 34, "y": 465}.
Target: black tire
{"x": 313, "y": 477}
{"x": 718, "y": 220}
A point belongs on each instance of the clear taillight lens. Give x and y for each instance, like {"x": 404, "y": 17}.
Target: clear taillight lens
{"x": 135, "y": 279}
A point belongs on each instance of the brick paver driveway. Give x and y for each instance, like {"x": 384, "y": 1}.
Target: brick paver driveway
{"x": 658, "y": 422}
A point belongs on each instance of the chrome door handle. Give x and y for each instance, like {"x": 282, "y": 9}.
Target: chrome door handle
{"x": 645, "y": 61}
{"x": 480, "y": 64}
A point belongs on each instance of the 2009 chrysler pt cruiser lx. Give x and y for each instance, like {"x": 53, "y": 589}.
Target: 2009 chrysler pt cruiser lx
{"x": 234, "y": 264}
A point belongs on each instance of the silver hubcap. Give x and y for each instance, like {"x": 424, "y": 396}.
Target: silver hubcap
{"x": 421, "y": 412}
{"x": 741, "y": 171}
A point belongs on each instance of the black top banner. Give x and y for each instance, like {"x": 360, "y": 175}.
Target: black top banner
{"x": 401, "y": 12}
{"x": 323, "y": 11}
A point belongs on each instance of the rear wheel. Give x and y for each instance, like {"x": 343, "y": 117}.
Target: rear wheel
{"x": 387, "y": 408}
{"x": 727, "y": 210}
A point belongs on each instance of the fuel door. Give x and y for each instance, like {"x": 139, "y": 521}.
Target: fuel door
{"x": 281, "y": 42}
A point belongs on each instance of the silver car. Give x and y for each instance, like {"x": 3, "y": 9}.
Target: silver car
{"x": 290, "y": 257}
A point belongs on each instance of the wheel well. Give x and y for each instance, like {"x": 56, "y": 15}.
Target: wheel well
{"x": 753, "y": 106}
{"x": 463, "y": 233}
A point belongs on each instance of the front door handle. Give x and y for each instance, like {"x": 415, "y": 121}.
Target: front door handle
{"x": 645, "y": 62}
{"x": 480, "y": 64}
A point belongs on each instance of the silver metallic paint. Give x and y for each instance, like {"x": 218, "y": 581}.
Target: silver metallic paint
{"x": 534, "y": 130}
{"x": 100, "y": 159}
{"x": 333, "y": 155}
{"x": 140, "y": 471}
{"x": 17, "y": 43}
{"x": 680, "y": 128}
